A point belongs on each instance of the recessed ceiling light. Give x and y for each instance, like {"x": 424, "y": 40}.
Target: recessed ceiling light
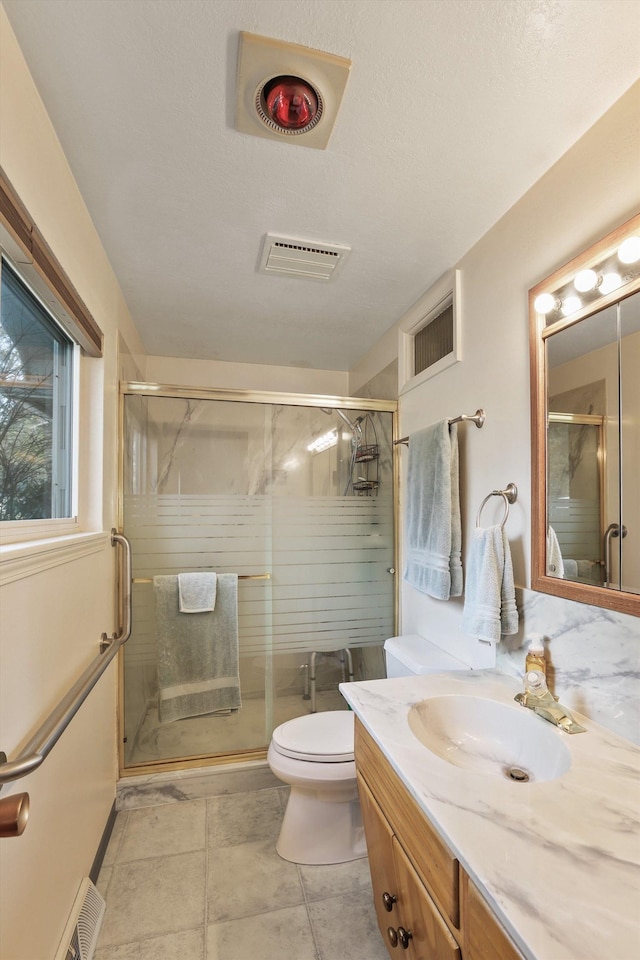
{"x": 288, "y": 92}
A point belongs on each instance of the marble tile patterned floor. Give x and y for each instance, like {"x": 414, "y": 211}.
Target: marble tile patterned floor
{"x": 201, "y": 880}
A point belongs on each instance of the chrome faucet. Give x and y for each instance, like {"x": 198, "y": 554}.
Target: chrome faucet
{"x": 537, "y": 697}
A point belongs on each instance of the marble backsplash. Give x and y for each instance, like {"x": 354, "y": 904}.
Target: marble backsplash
{"x": 593, "y": 658}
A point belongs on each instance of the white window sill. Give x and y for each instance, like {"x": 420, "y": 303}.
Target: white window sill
{"x": 20, "y": 560}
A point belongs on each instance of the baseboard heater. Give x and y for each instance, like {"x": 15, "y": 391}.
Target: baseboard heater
{"x": 83, "y": 926}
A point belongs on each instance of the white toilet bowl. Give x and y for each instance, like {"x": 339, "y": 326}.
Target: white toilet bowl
{"x": 322, "y": 822}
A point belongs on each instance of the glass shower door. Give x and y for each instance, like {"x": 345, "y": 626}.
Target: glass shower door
{"x": 243, "y": 487}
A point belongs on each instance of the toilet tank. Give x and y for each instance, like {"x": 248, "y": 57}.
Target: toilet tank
{"x": 411, "y": 655}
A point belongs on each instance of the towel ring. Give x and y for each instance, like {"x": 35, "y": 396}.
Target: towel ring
{"x": 509, "y": 495}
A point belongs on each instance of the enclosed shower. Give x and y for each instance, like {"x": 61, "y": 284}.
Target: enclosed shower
{"x": 294, "y": 495}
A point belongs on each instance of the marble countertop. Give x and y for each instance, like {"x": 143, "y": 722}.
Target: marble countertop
{"x": 559, "y": 861}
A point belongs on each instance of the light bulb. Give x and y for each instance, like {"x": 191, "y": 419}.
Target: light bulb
{"x": 571, "y": 305}
{"x": 610, "y": 282}
{"x": 586, "y": 280}
{"x": 544, "y": 303}
{"x": 629, "y": 250}
{"x": 324, "y": 442}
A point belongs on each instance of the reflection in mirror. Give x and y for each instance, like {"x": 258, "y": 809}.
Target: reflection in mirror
{"x": 585, "y": 353}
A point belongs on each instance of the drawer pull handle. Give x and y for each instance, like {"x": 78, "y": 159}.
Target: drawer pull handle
{"x": 388, "y": 901}
{"x": 393, "y": 936}
{"x": 404, "y": 936}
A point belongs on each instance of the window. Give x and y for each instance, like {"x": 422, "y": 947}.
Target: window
{"x": 36, "y": 406}
{"x": 434, "y": 341}
{"x": 430, "y": 338}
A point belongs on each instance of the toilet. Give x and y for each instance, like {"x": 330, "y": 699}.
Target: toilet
{"x": 314, "y": 754}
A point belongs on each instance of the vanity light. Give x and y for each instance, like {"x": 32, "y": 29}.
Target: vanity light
{"x": 610, "y": 282}
{"x": 629, "y": 250}
{"x": 570, "y": 305}
{"x": 545, "y": 303}
{"x": 586, "y": 280}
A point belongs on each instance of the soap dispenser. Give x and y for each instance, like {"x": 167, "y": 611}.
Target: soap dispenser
{"x": 535, "y": 655}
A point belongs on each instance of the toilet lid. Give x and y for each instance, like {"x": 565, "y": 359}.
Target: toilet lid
{"x": 320, "y": 737}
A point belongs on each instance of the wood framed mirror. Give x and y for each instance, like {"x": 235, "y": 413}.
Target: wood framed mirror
{"x": 584, "y": 325}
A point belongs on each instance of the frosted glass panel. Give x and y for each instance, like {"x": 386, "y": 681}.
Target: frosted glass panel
{"x": 233, "y": 487}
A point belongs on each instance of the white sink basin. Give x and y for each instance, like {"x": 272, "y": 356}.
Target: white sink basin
{"x": 491, "y": 738}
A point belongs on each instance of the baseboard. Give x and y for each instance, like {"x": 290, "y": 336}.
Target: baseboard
{"x": 104, "y": 843}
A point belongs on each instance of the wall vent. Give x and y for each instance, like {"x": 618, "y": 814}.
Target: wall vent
{"x": 308, "y": 259}
{"x": 83, "y": 926}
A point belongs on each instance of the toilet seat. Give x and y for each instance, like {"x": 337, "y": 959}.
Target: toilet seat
{"x": 317, "y": 738}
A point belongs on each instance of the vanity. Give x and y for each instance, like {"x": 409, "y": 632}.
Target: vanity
{"x": 492, "y": 834}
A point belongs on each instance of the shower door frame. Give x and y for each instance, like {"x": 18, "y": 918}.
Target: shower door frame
{"x": 179, "y": 392}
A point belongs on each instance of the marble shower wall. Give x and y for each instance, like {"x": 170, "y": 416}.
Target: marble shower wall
{"x": 592, "y": 655}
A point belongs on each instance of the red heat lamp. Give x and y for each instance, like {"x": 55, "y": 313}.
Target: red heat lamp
{"x": 290, "y": 104}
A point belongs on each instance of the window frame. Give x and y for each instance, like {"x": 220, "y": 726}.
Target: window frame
{"x": 445, "y": 292}
{"x": 16, "y": 531}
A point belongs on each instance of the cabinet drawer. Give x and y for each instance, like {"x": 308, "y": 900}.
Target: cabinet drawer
{"x": 484, "y": 938}
{"x": 435, "y": 864}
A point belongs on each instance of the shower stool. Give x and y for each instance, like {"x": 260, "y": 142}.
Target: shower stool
{"x": 310, "y": 672}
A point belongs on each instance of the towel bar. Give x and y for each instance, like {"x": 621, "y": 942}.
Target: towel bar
{"x": 478, "y": 418}
{"x": 241, "y": 576}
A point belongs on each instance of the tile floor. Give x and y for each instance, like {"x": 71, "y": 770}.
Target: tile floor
{"x": 200, "y": 880}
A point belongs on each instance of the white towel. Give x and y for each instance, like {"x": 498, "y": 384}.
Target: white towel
{"x": 570, "y": 569}
{"x": 432, "y": 519}
{"x": 490, "y": 605}
{"x": 197, "y": 592}
{"x": 555, "y": 566}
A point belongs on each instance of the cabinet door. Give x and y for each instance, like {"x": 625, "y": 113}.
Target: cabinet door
{"x": 381, "y": 864}
{"x": 430, "y": 938}
{"x": 484, "y": 938}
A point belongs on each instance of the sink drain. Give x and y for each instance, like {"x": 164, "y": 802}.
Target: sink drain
{"x": 515, "y": 773}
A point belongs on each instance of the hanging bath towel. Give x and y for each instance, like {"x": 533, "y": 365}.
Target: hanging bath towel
{"x": 490, "y": 603}
{"x": 432, "y": 517}
{"x": 197, "y": 655}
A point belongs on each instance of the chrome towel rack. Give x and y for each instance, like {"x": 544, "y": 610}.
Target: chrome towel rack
{"x": 509, "y": 495}
{"x": 45, "y": 738}
{"x": 478, "y": 418}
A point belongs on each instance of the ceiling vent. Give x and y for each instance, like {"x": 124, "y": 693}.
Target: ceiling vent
{"x": 288, "y": 92}
{"x": 291, "y": 257}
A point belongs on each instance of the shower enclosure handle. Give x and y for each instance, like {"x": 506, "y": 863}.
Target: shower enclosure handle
{"x": 613, "y": 530}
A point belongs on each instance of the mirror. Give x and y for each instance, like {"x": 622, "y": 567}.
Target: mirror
{"x": 585, "y": 411}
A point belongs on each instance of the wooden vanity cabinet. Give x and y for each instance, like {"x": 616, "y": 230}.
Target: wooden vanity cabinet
{"x": 426, "y": 906}
{"x": 407, "y": 916}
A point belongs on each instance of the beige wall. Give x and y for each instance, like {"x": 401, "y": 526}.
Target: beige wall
{"x": 54, "y": 607}
{"x": 246, "y": 376}
{"x": 570, "y": 208}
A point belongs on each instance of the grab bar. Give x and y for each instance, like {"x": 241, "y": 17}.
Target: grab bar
{"x": 48, "y": 734}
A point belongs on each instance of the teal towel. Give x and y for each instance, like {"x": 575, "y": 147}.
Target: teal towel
{"x": 197, "y": 656}
{"x": 432, "y": 518}
{"x": 490, "y": 604}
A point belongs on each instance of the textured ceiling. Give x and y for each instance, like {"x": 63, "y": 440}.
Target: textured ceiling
{"x": 453, "y": 109}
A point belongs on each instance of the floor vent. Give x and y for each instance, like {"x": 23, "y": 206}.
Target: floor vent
{"x": 83, "y": 926}
{"x": 301, "y": 258}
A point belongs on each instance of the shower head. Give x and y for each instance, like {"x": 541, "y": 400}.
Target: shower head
{"x": 354, "y": 427}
